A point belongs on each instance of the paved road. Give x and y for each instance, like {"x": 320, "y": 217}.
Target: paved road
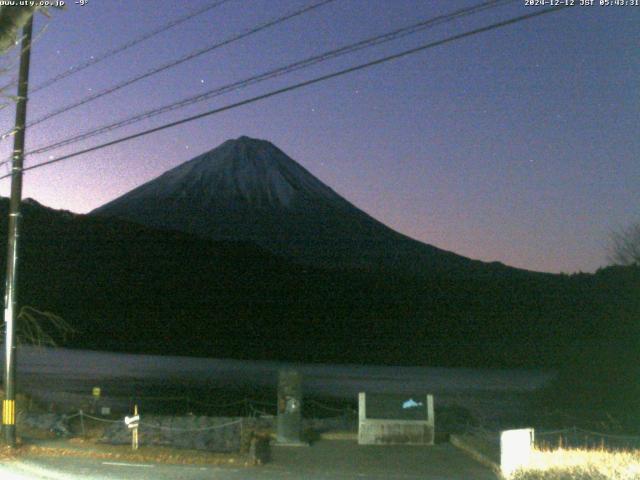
{"x": 325, "y": 460}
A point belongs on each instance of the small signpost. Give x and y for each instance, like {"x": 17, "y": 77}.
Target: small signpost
{"x": 133, "y": 423}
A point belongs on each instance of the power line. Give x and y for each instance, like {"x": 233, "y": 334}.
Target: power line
{"x": 190, "y": 56}
{"x": 297, "y": 86}
{"x": 299, "y": 65}
{"x": 110, "y": 53}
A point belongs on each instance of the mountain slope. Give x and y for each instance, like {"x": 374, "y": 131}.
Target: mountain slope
{"x": 249, "y": 190}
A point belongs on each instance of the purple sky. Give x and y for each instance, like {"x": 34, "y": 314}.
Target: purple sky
{"x": 519, "y": 145}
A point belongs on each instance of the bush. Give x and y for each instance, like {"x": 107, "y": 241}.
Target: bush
{"x": 598, "y": 385}
{"x": 581, "y": 465}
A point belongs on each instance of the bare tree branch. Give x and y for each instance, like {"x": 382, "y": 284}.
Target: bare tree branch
{"x": 40, "y": 328}
{"x": 625, "y": 246}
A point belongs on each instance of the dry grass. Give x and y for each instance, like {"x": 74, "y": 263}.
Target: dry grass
{"x": 34, "y": 442}
{"x": 144, "y": 454}
{"x": 124, "y": 453}
{"x": 89, "y": 447}
{"x": 573, "y": 464}
{"x": 8, "y": 453}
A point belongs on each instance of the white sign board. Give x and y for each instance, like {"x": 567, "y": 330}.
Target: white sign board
{"x": 132, "y": 422}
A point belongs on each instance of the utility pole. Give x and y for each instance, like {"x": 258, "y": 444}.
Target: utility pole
{"x": 10, "y": 293}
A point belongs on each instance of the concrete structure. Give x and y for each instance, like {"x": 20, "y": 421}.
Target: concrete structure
{"x": 516, "y": 447}
{"x": 386, "y": 419}
{"x": 289, "y": 422}
{"x": 505, "y": 452}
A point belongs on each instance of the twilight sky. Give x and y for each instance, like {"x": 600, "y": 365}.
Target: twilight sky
{"x": 519, "y": 145}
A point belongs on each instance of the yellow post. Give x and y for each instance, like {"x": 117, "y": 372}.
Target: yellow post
{"x": 8, "y": 412}
{"x": 134, "y": 433}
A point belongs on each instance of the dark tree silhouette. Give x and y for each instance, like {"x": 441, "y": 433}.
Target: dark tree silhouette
{"x": 625, "y": 246}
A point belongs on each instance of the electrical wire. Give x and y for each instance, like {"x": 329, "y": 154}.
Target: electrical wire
{"x": 299, "y": 65}
{"x": 299, "y": 85}
{"x": 174, "y": 63}
{"x": 110, "y": 53}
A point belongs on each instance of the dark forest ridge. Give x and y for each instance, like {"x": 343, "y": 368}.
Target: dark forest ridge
{"x": 127, "y": 287}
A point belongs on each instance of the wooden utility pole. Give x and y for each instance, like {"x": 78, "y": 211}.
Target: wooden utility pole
{"x": 10, "y": 293}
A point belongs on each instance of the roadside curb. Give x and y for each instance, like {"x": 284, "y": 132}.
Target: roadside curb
{"x": 339, "y": 436}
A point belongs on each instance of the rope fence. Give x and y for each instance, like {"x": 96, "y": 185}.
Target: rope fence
{"x": 573, "y": 437}
{"x": 97, "y": 419}
{"x": 203, "y": 429}
{"x": 150, "y": 425}
{"x": 219, "y": 405}
{"x": 330, "y": 409}
{"x": 252, "y": 408}
{"x": 576, "y": 437}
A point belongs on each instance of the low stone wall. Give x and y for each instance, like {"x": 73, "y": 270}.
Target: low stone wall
{"x": 47, "y": 422}
{"x": 214, "y": 434}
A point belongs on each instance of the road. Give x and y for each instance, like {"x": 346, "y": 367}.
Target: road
{"x": 326, "y": 460}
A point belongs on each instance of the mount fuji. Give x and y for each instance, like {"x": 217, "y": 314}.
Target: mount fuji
{"x": 249, "y": 190}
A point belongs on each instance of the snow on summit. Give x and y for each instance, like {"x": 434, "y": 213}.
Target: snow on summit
{"x": 249, "y": 171}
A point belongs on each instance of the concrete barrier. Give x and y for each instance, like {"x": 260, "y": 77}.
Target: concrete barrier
{"x": 409, "y": 420}
{"x": 516, "y": 447}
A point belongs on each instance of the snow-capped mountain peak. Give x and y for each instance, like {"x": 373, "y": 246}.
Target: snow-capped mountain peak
{"x": 245, "y": 170}
{"x": 250, "y": 190}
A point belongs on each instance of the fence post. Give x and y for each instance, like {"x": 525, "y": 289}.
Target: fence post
{"x": 84, "y": 433}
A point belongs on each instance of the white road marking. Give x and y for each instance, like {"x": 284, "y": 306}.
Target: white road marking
{"x": 118, "y": 464}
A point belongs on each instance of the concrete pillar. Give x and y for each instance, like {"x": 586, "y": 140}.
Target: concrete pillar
{"x": 289, "y": 424}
